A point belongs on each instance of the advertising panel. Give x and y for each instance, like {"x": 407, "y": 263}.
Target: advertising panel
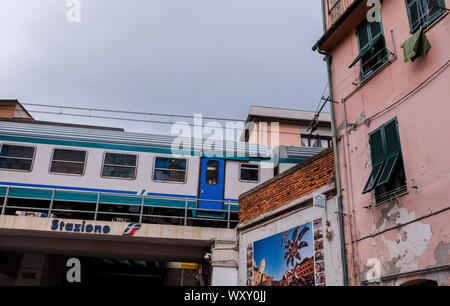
{"x": 294, "y": 257}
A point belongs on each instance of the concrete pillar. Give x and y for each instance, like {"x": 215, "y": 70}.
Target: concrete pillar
{"x": 9, "y": 268}
{"x": 41, "y": 270}
{"x": 30, "y": 271}
{"x": 224, "y": 263}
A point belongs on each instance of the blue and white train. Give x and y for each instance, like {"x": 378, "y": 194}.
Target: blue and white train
{"x": 105, "y": 173}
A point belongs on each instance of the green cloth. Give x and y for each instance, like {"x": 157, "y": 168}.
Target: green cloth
{"x": 416, "y": 46}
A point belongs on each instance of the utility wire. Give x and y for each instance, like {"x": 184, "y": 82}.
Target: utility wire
{"x": 61, "y": 113}
{"x": 59, "y": 110}
{"x": 315, "y": 121}
{"x": 127, "y": 112}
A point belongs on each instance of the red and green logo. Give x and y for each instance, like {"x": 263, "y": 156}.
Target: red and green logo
{"x": 131, "y": 229}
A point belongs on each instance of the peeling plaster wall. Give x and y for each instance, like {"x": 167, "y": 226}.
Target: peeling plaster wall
{"x": 407, "y": 246}
{"x": 419, "y": 245}
{"x": 379, "y": 231}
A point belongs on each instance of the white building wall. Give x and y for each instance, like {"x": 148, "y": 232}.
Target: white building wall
{"x": 224, "y": 276}
{"x": 332, "y": 249}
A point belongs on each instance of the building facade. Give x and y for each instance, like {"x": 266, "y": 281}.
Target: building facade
{"x": 288, "y": 228}
{"x": 390, "y": 99}
{"x": 12, "y": 109}
{"x": 290, "y": 126}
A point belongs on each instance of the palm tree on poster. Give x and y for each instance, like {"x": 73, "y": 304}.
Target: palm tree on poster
{"x": 293, "y": 247}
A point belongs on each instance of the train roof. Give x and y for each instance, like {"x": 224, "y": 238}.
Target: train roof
{"x": 291, "y": 152}
{"x": 111, "y": 139}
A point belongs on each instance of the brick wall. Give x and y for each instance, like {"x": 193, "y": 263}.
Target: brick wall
{"x": 300, "y": 180}
{"x": 7, "y": 111}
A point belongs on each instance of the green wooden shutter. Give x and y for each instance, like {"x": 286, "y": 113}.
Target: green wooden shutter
{"x": 363, "y": 36}
{"x": 393, "y": 151}
{"x": 375, "y": 29}
{"x": 368, "y": 35}
{"x": 378, "y": 159}
{"x": 371, "y": 45}
{"x": 392, "y": 137}
{"x": 364, "y": 52}
{"x": 377, "y": 146}
{"x": 386, "y": 153}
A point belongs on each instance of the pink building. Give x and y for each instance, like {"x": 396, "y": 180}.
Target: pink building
{"x": 390, "y": 119}
{"x": 290, "y": 125}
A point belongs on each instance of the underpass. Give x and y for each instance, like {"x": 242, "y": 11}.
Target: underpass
{"x": 33, "y": 248}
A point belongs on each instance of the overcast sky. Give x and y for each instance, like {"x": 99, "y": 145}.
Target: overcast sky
{"x": 216, "y": 57}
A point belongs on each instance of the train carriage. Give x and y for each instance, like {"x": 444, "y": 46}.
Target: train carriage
{"x": 105, "y": 174}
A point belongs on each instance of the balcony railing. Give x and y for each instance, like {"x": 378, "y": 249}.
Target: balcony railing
{"x": 101, "y": 206}
{"x": 336, "y": 8}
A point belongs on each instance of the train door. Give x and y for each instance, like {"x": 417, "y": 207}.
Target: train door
{"x": 211, "y": 185}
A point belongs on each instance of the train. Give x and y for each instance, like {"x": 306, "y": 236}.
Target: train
{"x": 86, "y": 172}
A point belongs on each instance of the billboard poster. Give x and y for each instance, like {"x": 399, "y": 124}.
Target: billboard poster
{"x": 294, "y": 257}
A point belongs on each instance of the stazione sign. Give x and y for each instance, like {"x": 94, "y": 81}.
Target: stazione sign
{"x": 82, "y": 227}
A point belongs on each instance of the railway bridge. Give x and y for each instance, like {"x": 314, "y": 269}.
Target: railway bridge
{"x": 35, "y": 250}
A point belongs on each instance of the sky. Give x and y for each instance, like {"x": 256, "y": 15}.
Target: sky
{"x": 214, "y": 57}
{"x": 271, "y": 250}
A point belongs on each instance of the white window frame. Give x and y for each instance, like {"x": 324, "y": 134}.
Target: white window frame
{"x": 19, "y": 145}
{"x": 68, "y": 174}
{"x": 170, "y": 182}
{"x": 119, "y": 178}
{"x": 247, "y": 181}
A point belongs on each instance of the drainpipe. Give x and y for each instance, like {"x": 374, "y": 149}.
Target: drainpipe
{"x": 336, "y": 165}
{"x": 323, "y": 16}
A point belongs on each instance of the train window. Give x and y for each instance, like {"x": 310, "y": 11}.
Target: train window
{"x": 170, "y": 170}
{"x": 249, "y": 173}
{"x": 212, "y": 172}
{"x": 19, "y": 158}
{"x": 68, "y": 162}
{"x": 121, "y": 166}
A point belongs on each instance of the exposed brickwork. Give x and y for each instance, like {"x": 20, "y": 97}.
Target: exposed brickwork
{"x": 300, "y": 180}
{"x": 10, "y": 109}
{"x": 7, "y": 111}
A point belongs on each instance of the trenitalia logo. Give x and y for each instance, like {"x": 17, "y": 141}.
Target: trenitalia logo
{"x": 131, "y": 229}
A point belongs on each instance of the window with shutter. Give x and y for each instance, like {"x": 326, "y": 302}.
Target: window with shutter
{"x": 372, "y": 47}
{"x": 422, "y": 13}
{"x": 387, "y": 176}
{"x": 378, "y": 158}
{"x": 413, "y": 14}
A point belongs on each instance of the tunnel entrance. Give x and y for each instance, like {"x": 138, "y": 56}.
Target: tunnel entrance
{"x": 107, "y": 271}
{"x": 53, "y": 270}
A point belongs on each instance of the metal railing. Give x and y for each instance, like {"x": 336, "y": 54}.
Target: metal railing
{"x": 336, "y": 8}
{"x": 103, "y": 210}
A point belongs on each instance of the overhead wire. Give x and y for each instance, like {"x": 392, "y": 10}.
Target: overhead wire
{"x": 90, "y": 115}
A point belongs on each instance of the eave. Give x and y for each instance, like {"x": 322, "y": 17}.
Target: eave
{"x": 352, "y": 16}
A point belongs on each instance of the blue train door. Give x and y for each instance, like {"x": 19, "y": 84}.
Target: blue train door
{"x": 211, "y": 184}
